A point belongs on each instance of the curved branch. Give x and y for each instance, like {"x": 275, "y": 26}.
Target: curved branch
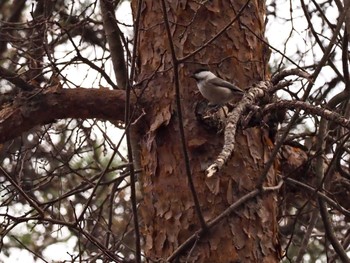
{"x": 38, "y": 109}
{"x": 288, "y": 72}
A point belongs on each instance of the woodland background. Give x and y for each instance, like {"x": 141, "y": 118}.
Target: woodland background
{"x": 104, "y": 147}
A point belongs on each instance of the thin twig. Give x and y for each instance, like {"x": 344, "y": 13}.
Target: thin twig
{"x": 27, "y": 248}
{"x": 307, "y": 235}
{"x": 272, "y": 47}
{"x": 305, "y": 96}
{"x": 330, "y": 232}
{"x": 15, "y": 79}
{"x": 136, "y": 39}
{"x": 88, "y": 201}
{"x": 316, "y": 36}
{"x": 87, "y": 61}
{"x": 223, "y": 30}
{"x": 329, "y": 200}
{"x": 32, "y": 202}
{"x": 129, "y": 142}
{"x": 175, "y": 62}
{"x": 316, "y": 110}
{"x": 200, "y": 233}
{"x": 319, "y": 169}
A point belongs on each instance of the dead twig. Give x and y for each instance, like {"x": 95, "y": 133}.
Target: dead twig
{"x": 255, "y": 93}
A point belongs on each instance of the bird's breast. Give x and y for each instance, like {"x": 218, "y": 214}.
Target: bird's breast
{"x": 217, "y": 94}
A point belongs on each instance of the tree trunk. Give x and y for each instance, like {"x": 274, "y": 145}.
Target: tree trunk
{"x": 249, "y": 234}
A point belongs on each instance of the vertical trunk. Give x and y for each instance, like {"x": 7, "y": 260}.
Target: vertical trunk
{"x": 249, "y": 234}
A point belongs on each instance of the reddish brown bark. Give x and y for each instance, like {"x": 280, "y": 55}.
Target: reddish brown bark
{"x": 31, "y": 109}
{"x": 248, "y": 235}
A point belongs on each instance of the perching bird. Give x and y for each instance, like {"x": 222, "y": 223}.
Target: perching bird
{"x": 215, "y": 89}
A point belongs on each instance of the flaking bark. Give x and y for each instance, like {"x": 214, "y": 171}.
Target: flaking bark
{"x": 168, "y": 212}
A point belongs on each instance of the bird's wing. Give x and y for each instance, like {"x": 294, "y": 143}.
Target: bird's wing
{"x": 223, "y": 83}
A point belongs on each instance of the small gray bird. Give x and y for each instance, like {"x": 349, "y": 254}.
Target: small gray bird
{"x": 215, "y": 89}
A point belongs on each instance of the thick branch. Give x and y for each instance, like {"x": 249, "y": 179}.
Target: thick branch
{"x": 43, "y": 108}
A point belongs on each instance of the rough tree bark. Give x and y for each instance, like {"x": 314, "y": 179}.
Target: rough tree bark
{"x": 250, "y": 233}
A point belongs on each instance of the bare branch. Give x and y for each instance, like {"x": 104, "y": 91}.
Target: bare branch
{"x": 33, "y": 203}
{"x": 306, "y": 238}
{"x": 132, "y": 139}
{"x": 288, "y": 72}
{"x": 27, "y": 112}
{"x": 311, "y": 189}
{"x": 254, "y": 93}
{"x": 316, "y": 110}
{"x": 113, "y": 35}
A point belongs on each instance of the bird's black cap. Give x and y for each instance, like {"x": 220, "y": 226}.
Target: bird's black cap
{"x": 193, "y": 75}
